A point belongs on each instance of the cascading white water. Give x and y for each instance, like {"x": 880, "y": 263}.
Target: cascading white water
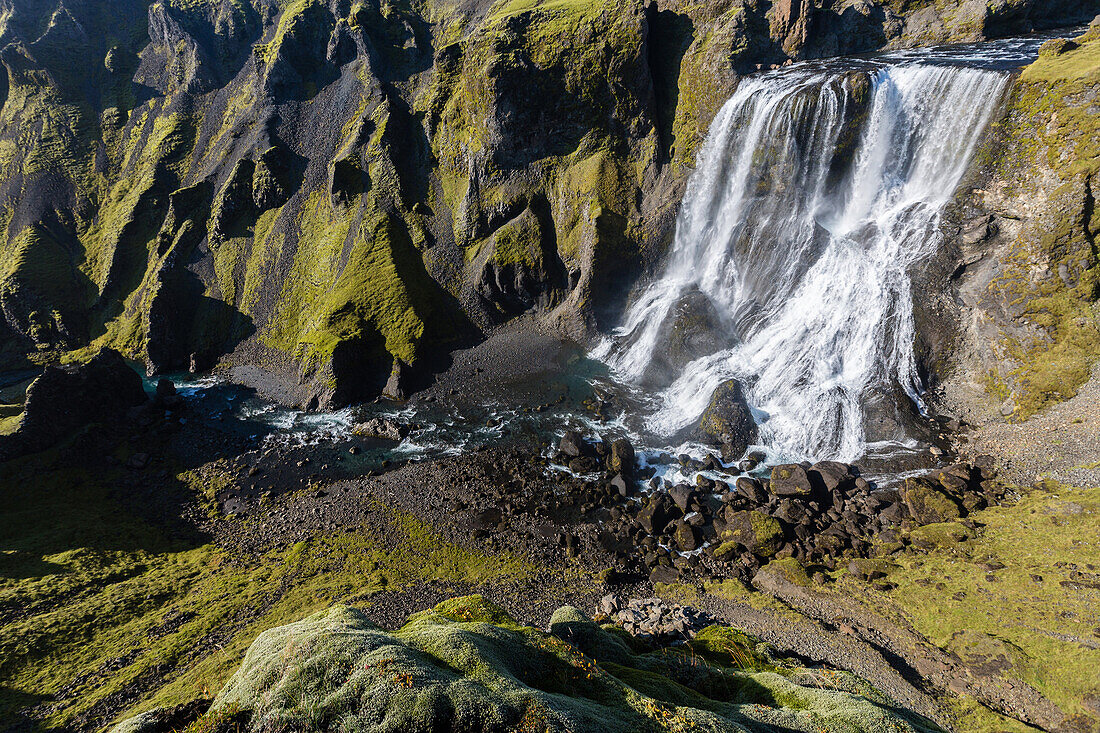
{"x": 814, "y": 195}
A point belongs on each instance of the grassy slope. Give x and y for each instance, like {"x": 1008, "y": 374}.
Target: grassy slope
{"x": 1043, "y": 632}
{"x": 94, "y": 600}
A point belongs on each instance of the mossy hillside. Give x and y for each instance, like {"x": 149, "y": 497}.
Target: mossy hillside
{"x": 449, "y": 115}
{"x": 97, "y": 604}
{"x": 1050, "y": 279}
{"x": 1032, "y": 620}
{"x": 466, "y": 663}
{"x": 37, "y": 278}
{"x": 497, "y": 145}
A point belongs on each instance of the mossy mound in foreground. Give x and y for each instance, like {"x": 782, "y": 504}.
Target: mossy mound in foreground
{"x": 467, "y": 665}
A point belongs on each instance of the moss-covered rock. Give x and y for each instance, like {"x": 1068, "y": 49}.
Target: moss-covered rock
{"x": 1037, "y": 336}
{"x": 755, "y": 531}
{"x": 481, "y": 671}
{"x": 728, "y": 421}
{"x": 927, "y": 503}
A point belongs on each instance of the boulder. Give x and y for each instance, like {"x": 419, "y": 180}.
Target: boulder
{"x": 66, "y": 398}
{"x": 751, "y": 489}
{"x": 381, "y": 427}
{"x": 927, "y": 503}
{"x": 657, "y": 513}
{"x": 686, "y": 536}
{"x": 728, "y": 421}
{"x": 397, "y": 386}
{"x": 755, "y": 531}
{"x": 621, "y": 458}
{"x": 790, "y": 480}
{"x": 681, "y": 494}
{"x": 574, "y": 445}
{"x": 833, "y": 476}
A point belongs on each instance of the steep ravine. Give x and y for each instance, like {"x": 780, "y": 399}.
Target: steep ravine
{"x": 341, "y": 192}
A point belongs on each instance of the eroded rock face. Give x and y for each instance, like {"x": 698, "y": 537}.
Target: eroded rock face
{"x": 339, "y": 185}
{"x": 66, "y": 398}
{"x": 1020, "y": 269}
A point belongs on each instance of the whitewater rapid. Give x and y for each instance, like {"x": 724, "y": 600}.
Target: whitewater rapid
{"x": 816, "y": 193}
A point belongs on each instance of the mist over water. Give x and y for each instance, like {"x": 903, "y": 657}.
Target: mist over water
{"x": 816, "y": 192}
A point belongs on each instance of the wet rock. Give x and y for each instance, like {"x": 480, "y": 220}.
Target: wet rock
{"x": 621, "y": 458}
{"x": 728, "y": 421}
{"x": 573, "y": 444}
{"x": 380, "y": 427}
{"x": 693, "y": 328}
{"x": 790, "y": 480}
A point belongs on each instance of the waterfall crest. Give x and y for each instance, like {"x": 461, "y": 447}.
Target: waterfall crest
{"x": 814, "y": 195}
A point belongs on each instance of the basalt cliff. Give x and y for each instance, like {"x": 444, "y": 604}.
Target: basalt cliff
{"x": 342, "y": 192}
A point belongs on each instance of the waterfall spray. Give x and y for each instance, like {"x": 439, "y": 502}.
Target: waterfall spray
{"x": 815, "y": 194}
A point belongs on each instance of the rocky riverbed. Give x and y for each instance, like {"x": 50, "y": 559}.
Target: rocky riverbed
{"x": 811, "y": 558}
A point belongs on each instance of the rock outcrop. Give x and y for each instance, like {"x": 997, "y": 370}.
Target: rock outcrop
{"x": 728, "y": 421}
{"x": 467, "y": 665}
{"x": 66, "y": 398}
{"x": 1023, "y": 256}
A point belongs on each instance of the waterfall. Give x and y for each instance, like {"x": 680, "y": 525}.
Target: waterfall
{"x": 815, "y": 193}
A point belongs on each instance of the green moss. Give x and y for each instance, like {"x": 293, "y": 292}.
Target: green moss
{"x": 363, "y": 286}
{"x": 729, "y": 647}
{"x": 94, "y": 601}
{"x": 1031, "y": 620}
{"x": 443, "y": 668}
{"x": 792, "y": 570}
{"x": 10, "y": 417}
{"x": 1051, "y": 280}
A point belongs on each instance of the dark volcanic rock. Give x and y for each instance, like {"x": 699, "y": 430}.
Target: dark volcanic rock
{"x": 692, "y": 328}
{"x": 621, "y": 458}
{"x": 381, "y": 427}
{"x": 573, "y": 445}
{"x": 790, "y": 480}
{"x": 658, "y": 511}
{"x": 753, "y": 530}
{"x": 832, "y": 475}
{"x": 66, "y": 398}
{"x": 728, "y": 421}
